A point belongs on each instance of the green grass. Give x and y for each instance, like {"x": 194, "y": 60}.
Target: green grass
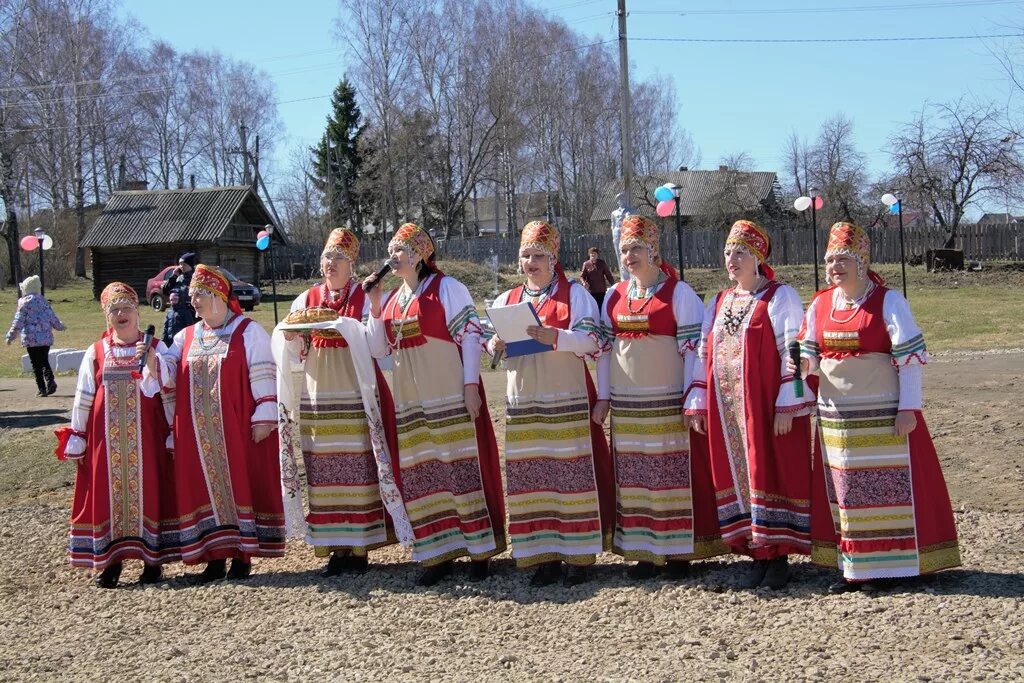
{"x": 968, "y": 311}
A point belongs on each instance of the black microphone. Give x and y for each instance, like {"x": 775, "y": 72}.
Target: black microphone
{"x": 378, "y": 276}
{"x": 497, "y": 358}
{"x": 147, "y": 341}
{"x": 794, "y": 355}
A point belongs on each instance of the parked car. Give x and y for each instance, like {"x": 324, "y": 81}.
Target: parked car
{"x": 248, "y": 295}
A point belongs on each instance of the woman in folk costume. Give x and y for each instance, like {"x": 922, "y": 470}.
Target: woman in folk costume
{"x": 347, "y": 517}
{"x": 665, "y": 505}
{"x": 557, "y": 465}
{"x": 879, "y": 505}
{"x": 759, "y": 429}
{"x": 223, "y": 377}
{"x": 449, "y": 472}
{"x": 124, "y": 486}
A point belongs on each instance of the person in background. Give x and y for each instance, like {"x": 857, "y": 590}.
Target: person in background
{"x": 36, "y": 321}
{"x": 177, "y": 318}
{"x": 179, "y": 283}
{"x": 596, "y": 276}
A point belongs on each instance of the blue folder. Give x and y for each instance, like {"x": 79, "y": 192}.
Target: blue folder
{"x": 527, "y": 347}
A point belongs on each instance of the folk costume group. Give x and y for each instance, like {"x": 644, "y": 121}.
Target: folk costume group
{"x": 718, "y": 444}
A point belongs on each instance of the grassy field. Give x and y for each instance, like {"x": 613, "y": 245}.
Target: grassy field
{"x": 964, "y": 311}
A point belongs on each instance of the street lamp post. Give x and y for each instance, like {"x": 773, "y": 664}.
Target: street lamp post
{"x": 813, "y": 202}
{"x": 40, "y": 236}
{"x": 273, "y": 268}
{"x": 679, "y": 228}
{"x": 896, "y": 201}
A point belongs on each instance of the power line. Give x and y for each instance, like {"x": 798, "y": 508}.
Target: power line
{"x": 833, "y": 10}
{"x": 897, "y": 39}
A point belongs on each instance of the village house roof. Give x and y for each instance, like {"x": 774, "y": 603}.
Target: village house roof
{"x": 140, "y": 217}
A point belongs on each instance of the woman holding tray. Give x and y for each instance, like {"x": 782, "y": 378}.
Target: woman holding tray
{"x": 449, "y": 472}
{"x": 347, "y": 517}
{"x": 557, "y": 465}
{"x": 665, "y": 503}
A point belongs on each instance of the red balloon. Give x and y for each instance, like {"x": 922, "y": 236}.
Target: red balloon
{"x": 818, "y": 203}
{"x": 666, "y": 208}
{"x": 29, "y": 242}
{"x": 262, "y": 233}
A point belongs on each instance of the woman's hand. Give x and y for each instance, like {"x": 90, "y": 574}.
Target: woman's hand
{"x": 696, "y": 422}
{"x": 261, "y": 431}
{"x": 545, "y": 335}
{"x": 373, "y": 295}
{"x": 471, "y": 394}
{"x": 141, "y": 348}
{"x": 289, "y": 335}
{"x": 498, "y": 345}
{"x": 783, "y": 423}
{"x": 805, "y": 366}
{"x": 600, "y": 412}
{"x": 906, "y": 422}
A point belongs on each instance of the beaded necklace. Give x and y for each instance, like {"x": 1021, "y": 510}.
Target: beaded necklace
{"x": 405, "y": 299}
{"x": 732, "y": 320}
{"x": 334, "y": 294}
{"x": 119, "y": 360}
{"x": 648, "y": 294}
{"x": 540, "y": 296}
{"x": 850, "y": 304}
{"x": 201, "y": 338}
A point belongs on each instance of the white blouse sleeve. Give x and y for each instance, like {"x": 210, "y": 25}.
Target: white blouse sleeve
{"x": 85, "y": 393}
{"x": 689, "y": 313}
{"x": 262, "y": 374}
{"x": 167, "y": 359}
{"x": 698, "y": 401}
{"x": 584, "y": 334}
{"x": 604, "y": 361}
{"x": 488, "y": 335}
{"x": 376, "y": 334}
{"x": 808, "y": 335}
{"x": 463, "y": 324}
{"x": 909, "y": 352}
{"x": 785, "y": 311}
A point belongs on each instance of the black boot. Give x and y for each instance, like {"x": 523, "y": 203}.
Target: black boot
{"x": 844, "y": 586}
{"x": 434, "y": 573}
{"x": 359, "y": 564}
{"x": 40, "y": 381}
{"x": 51, "y": 383}
{"x": 240, "y": 570}
{"x": 777, "y": 575}
{"x": 215, "y": 571}
{"x": 546, "y": 574}
{"x": 479, "y": 570}
{"x": 108, "y": 578}
{"x": 641, "y": 571}
{"x": 575, "y": 575}
{"x": 758, "y": 569}
{"x": 151, "y": 573}
{"x": 677, "y": 569}
{"x": 338, "y": 564}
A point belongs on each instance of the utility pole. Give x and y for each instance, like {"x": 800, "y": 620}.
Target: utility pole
{"x": 246, "y": 175}
{"x": 625, "y": 116}
{"x": 256, "y": 162}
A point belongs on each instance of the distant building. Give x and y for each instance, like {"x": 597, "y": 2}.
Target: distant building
{"x": 489, "y": 216}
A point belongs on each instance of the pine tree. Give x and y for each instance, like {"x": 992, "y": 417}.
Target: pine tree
{"x": 337, "y": 161}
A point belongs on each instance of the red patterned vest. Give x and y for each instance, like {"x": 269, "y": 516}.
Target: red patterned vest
{"x": 655, "y": 316}
{"x": 555, "y": 311}
{"x": 863, "y": 331}
{"x": 425, "y": 317}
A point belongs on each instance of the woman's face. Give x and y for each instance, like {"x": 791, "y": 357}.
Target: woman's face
{"x": 336, "y": 266}
{"x": 536, "y": 264}
{"x": 403, "y": 260}
{"x": 202, "y": 301}
{"x": 636, "y": 258}
{"x": 123, "y": 319}
{"x": 841, "y": 270}
{"x": 740, "y": 264}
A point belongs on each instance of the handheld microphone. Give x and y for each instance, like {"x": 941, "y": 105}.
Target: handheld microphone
{"x": 497, "y": 358}
{"x": 379, "y": 275}
{"x": 794, "y": 355}
{"x": 148, "y": 342}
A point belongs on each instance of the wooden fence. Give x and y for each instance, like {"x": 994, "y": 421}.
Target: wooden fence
{"x": 703, "y": 247}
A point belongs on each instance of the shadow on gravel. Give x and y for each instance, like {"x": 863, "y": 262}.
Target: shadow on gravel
{"x": 27, "y": 419}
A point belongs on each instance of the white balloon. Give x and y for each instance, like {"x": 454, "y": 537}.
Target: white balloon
{"x": 802, "y": 203}
{"x": 47, "y": 243}
{"x": 889, "y": 199}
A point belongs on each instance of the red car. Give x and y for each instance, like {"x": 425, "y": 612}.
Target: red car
{"x": 248, "y": 295}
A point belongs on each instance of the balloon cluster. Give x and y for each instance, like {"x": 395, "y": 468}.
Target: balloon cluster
{"x": 892, "y": 201}
{"x": 804, "y": 203}
{"x": 666, "y": 196}
{"x": 262, "y": 240}
{"x": 31, "y": 242}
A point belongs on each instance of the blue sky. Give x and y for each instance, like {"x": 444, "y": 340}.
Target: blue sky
{"x": 732, "y": 97}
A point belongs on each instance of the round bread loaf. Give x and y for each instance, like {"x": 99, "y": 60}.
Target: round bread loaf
{"x": 317, "y": 314}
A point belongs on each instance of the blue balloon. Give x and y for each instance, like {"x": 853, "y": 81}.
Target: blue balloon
{"x": 663, "y": 194}
{"x": 894, "y": 208}
{"x": 263, "y": 242}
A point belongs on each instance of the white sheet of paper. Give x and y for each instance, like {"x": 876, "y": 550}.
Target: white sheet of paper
{"x": 510, "y": 322}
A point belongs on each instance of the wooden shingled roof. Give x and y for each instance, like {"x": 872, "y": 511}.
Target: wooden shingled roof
{"x": 699, "y": 189}
{"x": 141, "y": 217}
